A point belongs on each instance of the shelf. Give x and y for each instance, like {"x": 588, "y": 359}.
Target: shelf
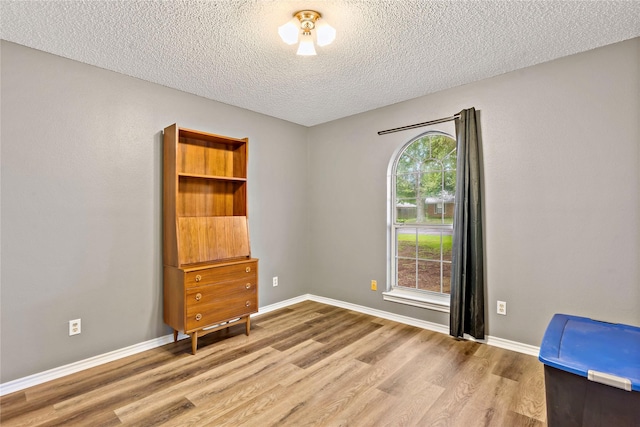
{"x": 215, "y": 177}
{"x": 204, "y": 197}
{"x": 196, "y": 135}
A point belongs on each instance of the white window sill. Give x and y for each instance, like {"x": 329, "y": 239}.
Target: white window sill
{"x": 418, "y": 299}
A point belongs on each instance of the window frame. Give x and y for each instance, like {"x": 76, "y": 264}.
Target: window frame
{"x": 415, "y": 297}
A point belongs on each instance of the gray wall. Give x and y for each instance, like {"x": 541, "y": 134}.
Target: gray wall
{"x": 562, "y": 185}
{"x": 81, "y": 199}
{"x": 82, "y": 207}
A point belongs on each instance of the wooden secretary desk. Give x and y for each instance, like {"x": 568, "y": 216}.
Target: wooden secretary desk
{"x": 210, "y": 279}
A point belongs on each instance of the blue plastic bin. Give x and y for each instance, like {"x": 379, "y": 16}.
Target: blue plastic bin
{"x": 592, "y": 372}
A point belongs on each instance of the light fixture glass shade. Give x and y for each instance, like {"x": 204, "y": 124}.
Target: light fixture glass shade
{"x": 306, "y": 48}
{"x": 325, "y": 33}
{"x": 289, "y": 31}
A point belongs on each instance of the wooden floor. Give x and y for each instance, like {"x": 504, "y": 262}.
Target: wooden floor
{"x": 305, "y": 365}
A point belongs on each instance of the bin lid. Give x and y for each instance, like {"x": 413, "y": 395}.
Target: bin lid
{"x": 585, "y": 346}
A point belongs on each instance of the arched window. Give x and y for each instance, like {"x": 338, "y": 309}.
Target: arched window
{"x": 423, "y": 186}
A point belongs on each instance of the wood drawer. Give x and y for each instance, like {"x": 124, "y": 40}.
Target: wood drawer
{"x": 212, "y": 304}
{"x": 212, "y": 294}
{"x": 241, "y": 271}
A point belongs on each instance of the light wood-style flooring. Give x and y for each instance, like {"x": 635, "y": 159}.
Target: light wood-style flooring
{"x": 305, "y": 365}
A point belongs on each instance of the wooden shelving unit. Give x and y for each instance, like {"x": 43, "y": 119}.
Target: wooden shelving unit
{"x": 210, "y": 279}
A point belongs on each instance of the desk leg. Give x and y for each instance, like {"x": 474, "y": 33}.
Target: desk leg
{"x": 194, "y": 342}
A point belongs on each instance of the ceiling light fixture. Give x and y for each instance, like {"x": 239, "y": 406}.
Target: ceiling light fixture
{"x": 302, "y": 24}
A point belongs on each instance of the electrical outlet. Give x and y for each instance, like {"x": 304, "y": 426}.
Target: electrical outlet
{"x": 275, "y": 281}
{"x": 502, "y": 308}
{"x": 374, "y": 285}
{"x": 75, "y": 327}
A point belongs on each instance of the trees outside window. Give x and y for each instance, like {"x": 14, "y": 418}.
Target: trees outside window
{"x": 424, "y": 186}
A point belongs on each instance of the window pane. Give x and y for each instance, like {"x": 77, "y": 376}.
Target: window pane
{"x": 406, "y": 242}
{"x": 449, "y": 187}
{"x": 431, "y": 190}
{"x": 407, "y": 273}
{"x": 431, "y": 166}
{"x": 429, "y": 276}
{"x": 449, "y": 162}
{"x": 442, "y": 147}
{"x": 408, "y": 164}
{"x": 446, "y": 278}
{"x": 406, "y": 198}
{"x": 447, "y": 243}
{"x": 429, "y": 242}
{"x": 432, "y": 184}
{"x": 406, "y": 185}
{"x": 406, "y": 211}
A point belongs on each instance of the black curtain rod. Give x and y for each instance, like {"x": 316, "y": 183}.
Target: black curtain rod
{"x": 419, "y": 125}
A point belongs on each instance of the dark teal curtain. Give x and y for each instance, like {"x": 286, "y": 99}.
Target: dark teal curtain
{"x": 467, "y": 270}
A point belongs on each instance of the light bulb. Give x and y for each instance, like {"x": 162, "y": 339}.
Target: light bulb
{"x": 306, "y": 48}
{"x": 325, "y": 33}
{"x": 289, "y": 31}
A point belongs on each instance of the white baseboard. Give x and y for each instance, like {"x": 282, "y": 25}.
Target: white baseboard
{"x": 436, "y": 327}
{"x": 72, "y": 368}
{"x": 382, "y": 314}
{"x": 519, "y": 347}
{"x": 281, "y": 304}
{"x": 52, "y": 374}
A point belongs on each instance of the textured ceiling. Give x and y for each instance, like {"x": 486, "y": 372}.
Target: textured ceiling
{"x": 385, "y": 51}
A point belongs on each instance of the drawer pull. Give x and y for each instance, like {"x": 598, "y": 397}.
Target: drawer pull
{"x": 247, "y": 304}
{"x": 248, "y": 286}
{"x": 248, "y": 269}
{"x": 198, "y": 316}
{"x": 198, "y": 278}
{"x": 198, "y": 296}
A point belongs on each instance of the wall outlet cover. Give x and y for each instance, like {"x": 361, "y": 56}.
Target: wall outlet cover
{"x": 502, "y": 308}
{"x": 75, "y": 327}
